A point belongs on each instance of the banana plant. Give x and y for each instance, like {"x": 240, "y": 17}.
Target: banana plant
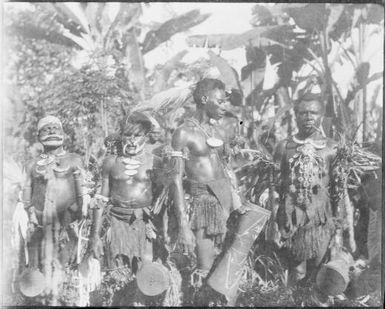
{"x": 104, "y": 27}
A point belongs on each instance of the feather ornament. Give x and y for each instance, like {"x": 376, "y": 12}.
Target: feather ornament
{"x": 19, "y": 224}
{"x": 167, "y": 101}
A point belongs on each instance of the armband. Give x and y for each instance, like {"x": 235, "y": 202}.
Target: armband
{"x": 177, "y": 154}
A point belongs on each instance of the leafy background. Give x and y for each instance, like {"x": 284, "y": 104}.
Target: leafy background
{"x": 86, "y": 63}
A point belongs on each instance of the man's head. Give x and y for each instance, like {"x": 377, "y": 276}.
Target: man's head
{"x": 209, "y": 95}
{"x": 135, "y": 130}
{"x": 50, "y": 132}
{"x": 309, "y": 111}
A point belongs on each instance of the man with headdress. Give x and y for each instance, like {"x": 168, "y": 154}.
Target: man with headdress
{"x": 53, "y": 198}
{"x": 126, "y": 197}
{"x": 199, "y": 160}
{"x": 305, "y": 215}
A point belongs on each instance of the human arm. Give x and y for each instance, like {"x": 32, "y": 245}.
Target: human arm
{"x": 100, "y": 202}
{"x": 177, "y": 166}
{"x": 285, "y": 208}
{"x": 79, "y": 177}
{"x": 27, "y": 196}
{"x": 343, "y": 209}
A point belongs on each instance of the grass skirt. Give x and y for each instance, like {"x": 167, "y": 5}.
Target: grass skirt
{"x": 125, "y": 237}
{"x": 207, "y": 213}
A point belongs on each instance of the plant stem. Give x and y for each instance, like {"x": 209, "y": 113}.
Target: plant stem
{"x": 364, "y": 106}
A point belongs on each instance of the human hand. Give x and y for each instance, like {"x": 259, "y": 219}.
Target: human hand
{"x": 32, "y": 216}
{"x": 96, "y": 247}
{"x": 186, "y": 240}
{"x": 86, "y": 201}
{"x": 245, "y": 207}
{"x": 287, "y": 229}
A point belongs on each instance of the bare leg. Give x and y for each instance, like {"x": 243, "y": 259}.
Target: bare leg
{"x": 147, "y": 256}
{"x": 205, "y": 251}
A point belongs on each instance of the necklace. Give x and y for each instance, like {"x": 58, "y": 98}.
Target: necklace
{"x": 131, "y": 165}
{"x": 49, "y": 158}
{"x": 213, "y": 142}
{"x": 315, "y": 144}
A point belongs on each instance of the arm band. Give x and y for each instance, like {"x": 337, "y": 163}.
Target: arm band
{"x": 177, "y": 154}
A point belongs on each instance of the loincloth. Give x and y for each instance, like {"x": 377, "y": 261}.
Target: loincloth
{"x": 126, "y": 234}
{"x": 207, "y": 212}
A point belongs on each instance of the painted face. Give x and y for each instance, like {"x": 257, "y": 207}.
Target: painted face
{"x": 309, "y": 115}
{"x": 215, "y": 103}
{"x": 156, "y": 135}
{"x": 51, "y": 135}
{"x": 133, "y": 139}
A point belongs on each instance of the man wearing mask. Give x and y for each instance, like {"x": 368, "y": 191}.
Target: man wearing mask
{"x": 53, "y": 198}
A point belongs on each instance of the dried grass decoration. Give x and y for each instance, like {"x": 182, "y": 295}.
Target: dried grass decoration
{"x": 90, "y": 273}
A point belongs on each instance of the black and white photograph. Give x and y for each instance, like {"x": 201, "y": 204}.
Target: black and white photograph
{"x": 192, "y": 154}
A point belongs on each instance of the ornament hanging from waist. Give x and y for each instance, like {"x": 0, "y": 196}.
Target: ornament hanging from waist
{"x": 307, "y": 168}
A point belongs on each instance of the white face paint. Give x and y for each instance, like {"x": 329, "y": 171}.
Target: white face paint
{"x": 51, "y": 135}
{"x": 133, "y": 139}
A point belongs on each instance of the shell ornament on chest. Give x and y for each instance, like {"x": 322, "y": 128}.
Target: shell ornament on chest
{"x": 131, "y": 166}
{"x": 211, "y": 140}
{"x": 307, "y": 168}
{"x": 136, "y": 166}
{"x": 50, "y": 163}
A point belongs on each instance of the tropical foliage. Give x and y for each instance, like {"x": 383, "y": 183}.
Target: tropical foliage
{"x": 313, "y": 43}
{"x": 85, "y": 62}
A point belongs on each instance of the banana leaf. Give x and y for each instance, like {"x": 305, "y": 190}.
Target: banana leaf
{"x": 261, "y": 36}
{"x": 163, "y": 76}
{"x": 229, "y": 75}
{"x": 178, "y": 24}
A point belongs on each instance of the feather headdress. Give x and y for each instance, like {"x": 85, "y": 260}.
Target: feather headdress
{"x": 167, "y": 101}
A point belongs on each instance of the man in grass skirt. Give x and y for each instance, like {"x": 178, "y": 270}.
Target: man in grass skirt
{"x": 306, "y": 212}
{"x": 126, "y": 198}
{"x": 199, "y": 166}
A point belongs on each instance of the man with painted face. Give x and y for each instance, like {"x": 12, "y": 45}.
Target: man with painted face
{"x": 52, "y": 196}
{"x": 126, "y": 196}
{"x": 305, "y": 212}
{"x": 198, "y": 164}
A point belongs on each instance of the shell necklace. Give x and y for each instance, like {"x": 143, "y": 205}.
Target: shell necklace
{"x": 132, "y": 165}
{"x": 48, "y": 159}
{"x": 213, "y": 142}
{"x": 316, "y": 144}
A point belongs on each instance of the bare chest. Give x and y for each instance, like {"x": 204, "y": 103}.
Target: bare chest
{"x": 203, "y": 144}
{"x": 134, "y": 169}
{"x": 62, "y": 167}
